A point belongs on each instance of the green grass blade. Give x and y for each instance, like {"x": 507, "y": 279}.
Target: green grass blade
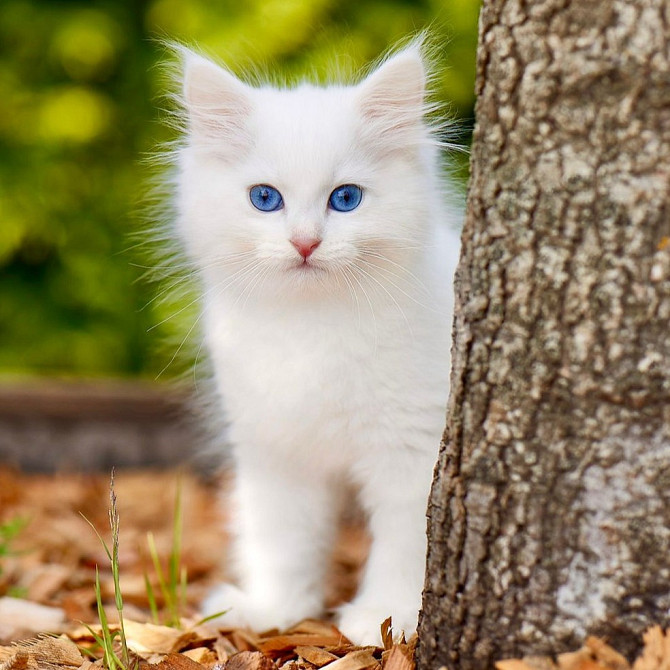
{"x": 151, "y": 598}
{"x": 95, "y": 530}
{"x": 211, "y": 617}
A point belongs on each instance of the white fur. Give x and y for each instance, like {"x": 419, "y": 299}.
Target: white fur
{"x": 332, "y": 373}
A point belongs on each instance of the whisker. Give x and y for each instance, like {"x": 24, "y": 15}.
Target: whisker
{"x": 249, "y": 288}
{"x": 390, "y": 295}
{"x": 219, "y": 288}
{"x": 353, "y": 276}
{"x": 409, "y": 273}
{"x": 227, "y": 281}
{"x": 392, "y": 283}
{"x": 352, "y": 292}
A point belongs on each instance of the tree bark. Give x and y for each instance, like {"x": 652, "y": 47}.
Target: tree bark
{"x": 549, "y": 517}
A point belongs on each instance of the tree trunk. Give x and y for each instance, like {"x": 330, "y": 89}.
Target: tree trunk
{"x": 549, "y": 516}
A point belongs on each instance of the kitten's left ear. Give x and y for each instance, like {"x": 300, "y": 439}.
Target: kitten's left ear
{"x": 218, "y": 104}
{"x": 393, "y": 95}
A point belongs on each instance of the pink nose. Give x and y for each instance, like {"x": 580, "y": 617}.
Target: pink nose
{"x": 305, "y": 245}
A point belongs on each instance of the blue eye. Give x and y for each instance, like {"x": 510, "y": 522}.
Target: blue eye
{"x": 266, "y": 198}
{"x": 345, "y": 198}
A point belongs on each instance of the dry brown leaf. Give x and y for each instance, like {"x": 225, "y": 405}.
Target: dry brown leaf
{"x": 540, "y": 662}
{"x": 44, "y": 653}
{"x": 281, "y": 643}
{"x": 607, "y": 656}
{"x": 387, "y": 634}
{"x": 244, "y": 640}
{"x": 202, "y": 655}
{"x": 513, "y": 664}
{"x": 144, "y": 638}
{"x": 297, "y": 664}
{"x": 315, "y": 627}
{"x": 399, "y": 659}
{"x": 87, "y": 665}
{"x": 594, "y": 655}
{"x": 250, "y": 660}
{"x": 20, "y": 661}
{"x": 224, "y": 649}
{"x": 355, "y": 660}
{"x": 315, "y": 655}
{"x": 656, "y": 652}
{"x": 17, "y": 614}
{"x": 45, "y": 580}
{"x": 177, "y": 662}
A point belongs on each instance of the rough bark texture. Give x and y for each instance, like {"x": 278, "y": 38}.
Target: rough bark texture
{"x": 550, "y": 511}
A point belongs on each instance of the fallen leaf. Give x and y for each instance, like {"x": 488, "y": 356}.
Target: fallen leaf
{"x": 387, "y": 634}
{"x": 513, "y": 664}
{"x": 45, "y": 580}
{"x": 281, "y": 643}
{"x": 594, "y": 655}
{"x": 43, "y": 653}
{"x": 355, "y": 660}
{"x": 177, "y": 662}
{"x": 656, "y": 652}
{"x": 224, "y": 649}
{"x": 145, "y": 638}
{"x": 398, "y": 660}
{"x": 250, "y": 660}
{"x": 201, "y": 655}
{"x": 605, "y": 655}
{"x": 17, "y": 614}
{"x": 244, "y": 640}
{"x": 315, "y": 655}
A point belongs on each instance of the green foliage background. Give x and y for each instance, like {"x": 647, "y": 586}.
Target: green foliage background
{"x": 80, "y": 99}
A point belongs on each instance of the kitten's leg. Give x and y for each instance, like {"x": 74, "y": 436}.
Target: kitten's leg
{"x": 283, "y": 523}
{"x": 395, "y": 498}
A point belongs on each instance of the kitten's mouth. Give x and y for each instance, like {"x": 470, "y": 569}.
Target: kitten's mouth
{"x": 306, "y": 267}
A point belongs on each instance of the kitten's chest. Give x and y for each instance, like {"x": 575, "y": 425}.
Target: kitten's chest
{"x": 288, "y": 358}
{"x": 297, "y": 367}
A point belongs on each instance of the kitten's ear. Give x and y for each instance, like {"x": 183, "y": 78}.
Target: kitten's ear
{"x": 392, "y": 97}
{"x": 217, "y": 103}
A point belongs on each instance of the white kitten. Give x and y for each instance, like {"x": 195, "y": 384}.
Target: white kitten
{"x": 320, "y": 225}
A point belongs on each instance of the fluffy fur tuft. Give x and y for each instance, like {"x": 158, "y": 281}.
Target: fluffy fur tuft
{"x": 331, "y": 369}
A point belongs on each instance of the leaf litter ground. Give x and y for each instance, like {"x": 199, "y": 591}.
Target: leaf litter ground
{"x": 47, "y": 577}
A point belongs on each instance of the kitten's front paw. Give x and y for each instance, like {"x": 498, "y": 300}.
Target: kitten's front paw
{"x": 232, "y": 604}
{"x": 240, "y": 610}
{"x": 362, "y": 625}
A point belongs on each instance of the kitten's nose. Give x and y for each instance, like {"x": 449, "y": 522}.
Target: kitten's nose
{"x": 305, "y": 245}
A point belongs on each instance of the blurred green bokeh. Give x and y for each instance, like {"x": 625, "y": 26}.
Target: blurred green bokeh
{"x": 81, "y": 95}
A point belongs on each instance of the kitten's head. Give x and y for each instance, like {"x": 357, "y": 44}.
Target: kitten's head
{"x": 287, "y": 193}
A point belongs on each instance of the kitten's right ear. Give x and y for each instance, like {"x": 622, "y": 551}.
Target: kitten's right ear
{"x": 217, "y": 103}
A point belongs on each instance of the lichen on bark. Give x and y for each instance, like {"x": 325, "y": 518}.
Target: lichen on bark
{"x": 550, "y": 512}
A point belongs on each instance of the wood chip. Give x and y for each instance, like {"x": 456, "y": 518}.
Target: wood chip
{"x": 224, "y": 649}
{"x": 17, "y": 614}
{"x": 177, "y": 662}
{"x": 513, "y": 664}
{"x": 356, "y": 660}
{"x": 605, "y": 655}
{"x": 43, "y": 653}
{"x": 594, "y": 655}
{"x": 315, "y": 627}
{"x": 315, "y": 655}
{"x": 282, "y": 643}
{"x": 250, "y": 660}
{"x": 656, "y": 652}
{"x": 201, "y": 655}
{"x": 244, "y": 640}
{"x": 45, "y": 580}
{"x": 146, "y": 638}
{"x": 387, "y": 634}
{"x": 399, "y": 659}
